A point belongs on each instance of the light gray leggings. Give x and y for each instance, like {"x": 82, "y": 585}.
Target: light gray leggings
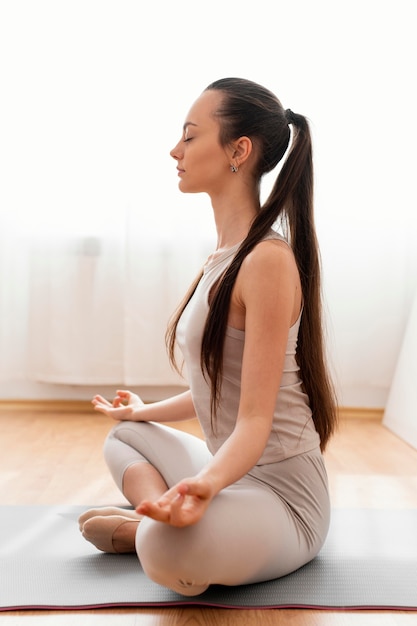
{"x": 250, "y": 533}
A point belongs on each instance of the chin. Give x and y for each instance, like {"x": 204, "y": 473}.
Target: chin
{"x": 187, "y": 188}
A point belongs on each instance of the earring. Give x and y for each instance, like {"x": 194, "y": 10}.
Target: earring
{"x": 234, "y": 168}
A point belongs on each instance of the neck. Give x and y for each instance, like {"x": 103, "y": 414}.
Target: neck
{"x": 233, "y": 219}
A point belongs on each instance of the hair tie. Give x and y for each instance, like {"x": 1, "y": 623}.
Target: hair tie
{"x": 289, "y": 116}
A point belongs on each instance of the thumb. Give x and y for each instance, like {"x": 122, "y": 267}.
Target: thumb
{"x": 183, "y": 489}
{"x": 194, "y": 487}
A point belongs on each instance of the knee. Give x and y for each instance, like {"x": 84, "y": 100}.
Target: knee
{"x": 167, "y": 557}
{"x": 118, "y": 453}
{"x": 108, "y": 446}
{"x": 119, "y": 440}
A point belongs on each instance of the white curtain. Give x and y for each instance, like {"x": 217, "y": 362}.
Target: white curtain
{"x": 80, "y": 310}
{"x": 14, "y": 282}
{"x": 99, "y": 306}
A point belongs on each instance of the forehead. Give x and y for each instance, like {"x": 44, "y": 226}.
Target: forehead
{"x": 204, "y": 108}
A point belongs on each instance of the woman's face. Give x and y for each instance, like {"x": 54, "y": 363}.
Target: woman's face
{"x": 203, "y": 164}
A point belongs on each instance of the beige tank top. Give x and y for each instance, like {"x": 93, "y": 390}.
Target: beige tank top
{"x": 293, "y": 430}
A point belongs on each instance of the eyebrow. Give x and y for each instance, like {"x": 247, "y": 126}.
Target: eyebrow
{"x": 188, "y": 124}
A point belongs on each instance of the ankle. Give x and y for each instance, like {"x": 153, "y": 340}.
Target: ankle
{"x": 124, "y": 537}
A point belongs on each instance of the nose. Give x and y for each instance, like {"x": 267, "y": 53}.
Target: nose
{"x": 176, "y": 152}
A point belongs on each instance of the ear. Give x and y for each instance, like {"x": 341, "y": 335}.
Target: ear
{"x": 241, "y": 150}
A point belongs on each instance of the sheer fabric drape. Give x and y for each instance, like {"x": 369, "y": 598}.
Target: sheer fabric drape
{"x": 93, "y": 310}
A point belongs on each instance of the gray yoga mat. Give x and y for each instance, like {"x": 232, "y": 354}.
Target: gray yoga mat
{"x": 369, "y": 561}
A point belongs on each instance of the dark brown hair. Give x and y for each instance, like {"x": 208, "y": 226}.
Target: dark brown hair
{"x": 248, "y": 109}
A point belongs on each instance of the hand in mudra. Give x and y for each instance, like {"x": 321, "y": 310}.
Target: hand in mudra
{"x": 121, "y": 408}
{"x": 182, "y": 505}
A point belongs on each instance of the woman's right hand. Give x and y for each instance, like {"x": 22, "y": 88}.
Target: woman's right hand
{"x": 123, "y": 407}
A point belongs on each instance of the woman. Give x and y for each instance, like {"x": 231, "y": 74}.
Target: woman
{"x": 250, "y": 503}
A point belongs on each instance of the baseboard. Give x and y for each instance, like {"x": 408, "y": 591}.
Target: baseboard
{"x": 348, "y": 412}
{"x": 47, "y": 406}
{"x": 85, "y": 406}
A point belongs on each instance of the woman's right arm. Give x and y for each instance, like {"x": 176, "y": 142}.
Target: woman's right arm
{"x": 128, "y": 406}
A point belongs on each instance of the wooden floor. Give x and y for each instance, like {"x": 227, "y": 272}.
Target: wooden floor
{"x": 55, "y": 458}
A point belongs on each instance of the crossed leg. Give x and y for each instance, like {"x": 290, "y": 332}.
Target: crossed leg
{"x": 131, "y": 450}
{"x": 248, "y": 534}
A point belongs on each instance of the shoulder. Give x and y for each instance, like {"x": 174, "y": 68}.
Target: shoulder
{"x": 268, "y": 284}
{"x": 269, "y": 274}
{"x": 272, "y": 256}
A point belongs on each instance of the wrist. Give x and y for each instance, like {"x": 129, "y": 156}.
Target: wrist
{"x": 212, "y": 482}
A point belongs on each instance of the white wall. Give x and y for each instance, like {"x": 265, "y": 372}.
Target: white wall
{"x": 401, "y": 408}
{"x": 99, "y": 91}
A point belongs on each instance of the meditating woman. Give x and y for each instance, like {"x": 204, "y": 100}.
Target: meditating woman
{"x": 251, "y": 502}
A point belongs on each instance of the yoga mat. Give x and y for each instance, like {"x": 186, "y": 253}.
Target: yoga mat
{"x": 369, "y": 561}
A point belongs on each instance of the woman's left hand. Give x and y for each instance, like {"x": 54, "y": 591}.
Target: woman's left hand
{"x": 182, "y": 505}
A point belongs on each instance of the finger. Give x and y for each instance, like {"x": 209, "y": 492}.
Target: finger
{"x": 184, "y": 489}
{"x": 123, "y": 399}
{"x": 101, "y": 405}
{"x": 196, "y": 488}
{"x": 176, "y": 506}
{"x": 150, "y": 509}
{"x": 100, "y": 399}
{"x": 129, "y": 397}
{"x": 101, "y": 408}
{"x": 183, "y": 512}
{"x": 123, "y": 393}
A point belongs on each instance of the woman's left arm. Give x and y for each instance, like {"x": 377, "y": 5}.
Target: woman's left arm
{"x": 268, "y": 293}
{"x": 266, "y": 301}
